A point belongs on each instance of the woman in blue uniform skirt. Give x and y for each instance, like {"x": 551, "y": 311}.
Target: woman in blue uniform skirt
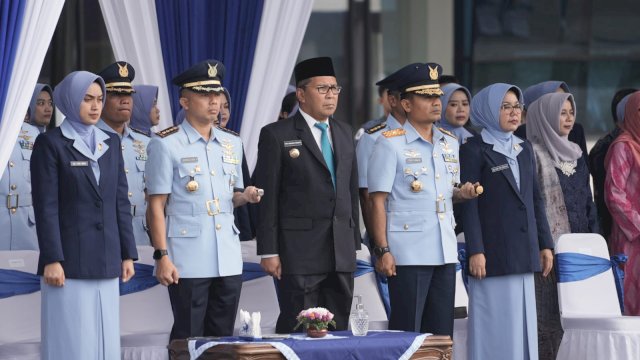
{"x": 506, "y": 230}
{"x": 83, "y": 221}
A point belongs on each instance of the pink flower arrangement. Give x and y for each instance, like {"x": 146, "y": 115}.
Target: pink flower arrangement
{"x": 319, "y": 318}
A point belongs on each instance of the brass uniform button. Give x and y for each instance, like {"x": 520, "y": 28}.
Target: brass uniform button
{"x": 126, "y": 171}
{"x": 213, "y": 173}
{"x": 183, "y": 232}
{"x": 13, "y": 211}
{"x": 294, "y": 153}
{"x": 130, "y": 194}
{"x": 441, "y": 217}
{"x": 218, "y": 226}
{"x": 14, "y": 186}
{"x": 406, "y": 227}
{"x": 11, "y": 164}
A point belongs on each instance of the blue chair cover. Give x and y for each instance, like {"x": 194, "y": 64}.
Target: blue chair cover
{"x": 142, "y": 280}
{"x": 462, "y": 265}
{"x": 14, "y": 282}
{"x": 576, "y": 267}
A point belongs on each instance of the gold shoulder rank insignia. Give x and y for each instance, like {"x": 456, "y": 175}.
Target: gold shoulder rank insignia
{"x": 376, "y": 128}
{"x": 227, "y": 130}
{"x": 140, "y": 131}
{"x": 168, "y": 131}
{"x": 447, "y": 132}
{"x": 394, "y": 132}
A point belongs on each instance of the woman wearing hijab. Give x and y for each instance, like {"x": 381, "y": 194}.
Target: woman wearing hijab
{"x": 621, "y": 192}
{"x": 563, "y": 177}
{"x": 83, "y": 221}
{"x": 225, "y": 109}
{"x": 534, "y": 92}
{"x": 455, "y": 101}
{"x": 41, "y": 107}
{"x": 506, "y": 231}
{"x": 596, "y": 159}
{"x": 145, "y": 109}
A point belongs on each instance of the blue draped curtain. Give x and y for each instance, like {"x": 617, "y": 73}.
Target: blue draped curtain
{"x": 11, "y": 15}
{"x": 195, "y": 30}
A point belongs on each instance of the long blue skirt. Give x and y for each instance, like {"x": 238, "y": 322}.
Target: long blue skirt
{"x": 81, "y": 320}
{"x": 502, "y": 318}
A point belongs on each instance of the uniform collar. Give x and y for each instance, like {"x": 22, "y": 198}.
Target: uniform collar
{"x": 103, "y": 126}
{"x": 412, "y": 134}
{"x": 392, "y": 122}
{"x": 193, "y": 135}
{"x": 100, "y": 137}
{"x": 311, "y": 121}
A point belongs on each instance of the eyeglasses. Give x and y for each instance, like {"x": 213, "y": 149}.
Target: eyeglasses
{"x": 43, "y": 102}
{"x": 509, "y": 108}
{"x": 324, "y": 89}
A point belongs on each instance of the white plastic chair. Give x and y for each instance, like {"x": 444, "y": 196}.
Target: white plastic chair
{"x": 460, "y": 325}
{"x": 145, "y": 318}
{"x": 590, "y": 313}
{"x": 20, "y": 315}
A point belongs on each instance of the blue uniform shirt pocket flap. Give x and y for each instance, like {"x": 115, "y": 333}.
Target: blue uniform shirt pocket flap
{"x": 183, "y": 227}
{"x": 296, "y": 223}
{"x": 405, "y": 222}
{"x": 185, "y": 170}
{"x": 229, "y": 169}
{"x": 140, "y": 164}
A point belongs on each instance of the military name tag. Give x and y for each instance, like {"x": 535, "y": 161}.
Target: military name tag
{"x": 292, "y": 143}
{"x": 449, "y": 158}
{"x": 413, "y": 160}
{"x": 79, "y": 163}
{"x": 499, "y": 168}
{"x": 189, "y": 159}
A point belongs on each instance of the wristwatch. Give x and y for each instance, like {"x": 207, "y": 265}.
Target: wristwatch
{"x": 379, "y": 251}
{"x": 158, "y": 254}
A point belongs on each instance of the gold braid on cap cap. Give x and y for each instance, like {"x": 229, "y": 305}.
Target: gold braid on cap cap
{"x": 198, "y": 83}
{"x": 433, "y": 89}
{"x": 116, "y": 84}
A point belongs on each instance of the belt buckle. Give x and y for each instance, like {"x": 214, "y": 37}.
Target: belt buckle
{"x": 441, "y": 206}
{"x": 10, "y": 205}
{"x": 133, "y": 210}
{"x": 216, "y": 211}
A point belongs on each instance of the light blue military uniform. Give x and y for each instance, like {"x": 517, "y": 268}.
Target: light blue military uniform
{"x": 202, "y": 239}
{"x": 364, "y": 149}
{"x": 420, "y": 225}
{"x": 134, "y": 152}
{"x": 17, "y": 221}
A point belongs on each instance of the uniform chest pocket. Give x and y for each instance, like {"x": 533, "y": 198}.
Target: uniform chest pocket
{"x": 140, "y": 166}
{"x": 26, "y": 164}
{"x": 405, "y": 222}
{"x": 190, "y": 172}
{"x": 182, "y": 226}
{"x": 230, "y": 176}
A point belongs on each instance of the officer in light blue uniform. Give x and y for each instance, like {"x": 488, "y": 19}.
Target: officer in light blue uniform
{"x": 364, "y": 147}
{"x": 115, "y": 119}
{"x": 194, "y": 180}
{"x": 412, "y": 188}
{"x": 17, "y": 221}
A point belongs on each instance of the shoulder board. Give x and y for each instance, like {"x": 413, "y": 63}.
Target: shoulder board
{"x": 168, "y": 131}
{"x": 394, "y": 132}
{"x": 227, "y": 130}
{"x": 139, "y": 131}
{"x": 376, "y": 128}
{"x": 447, "y": 132}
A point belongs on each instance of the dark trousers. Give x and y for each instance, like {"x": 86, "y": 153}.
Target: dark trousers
{"x": 204, "y": 306}
{"x": 333, "y": 291}
{"x": 422, "y": 299}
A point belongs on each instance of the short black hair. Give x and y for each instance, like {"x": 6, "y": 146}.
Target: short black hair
{"x": 447, "y": 79}
{"x": 381, "y": 90}
{"x": 288, "y": 103}
{"x": 302, "y": 83}
{"x": 619, "y": 95}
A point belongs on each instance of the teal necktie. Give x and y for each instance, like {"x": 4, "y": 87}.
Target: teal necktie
{"x": 327, "y": 153}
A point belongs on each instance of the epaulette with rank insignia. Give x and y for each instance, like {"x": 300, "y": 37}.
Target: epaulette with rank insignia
{"x": 394, "y": 132}
{"x": 168, "y": 131}
{"x": 227, "y": 130}
{"x": 376, "y": 128}
{"x": 447, "y": 132}
{"x": 140, "y": 132}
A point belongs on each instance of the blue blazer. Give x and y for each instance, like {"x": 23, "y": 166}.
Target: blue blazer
{"x": 86, "y": 227}
{"x": 506, "y": 224}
